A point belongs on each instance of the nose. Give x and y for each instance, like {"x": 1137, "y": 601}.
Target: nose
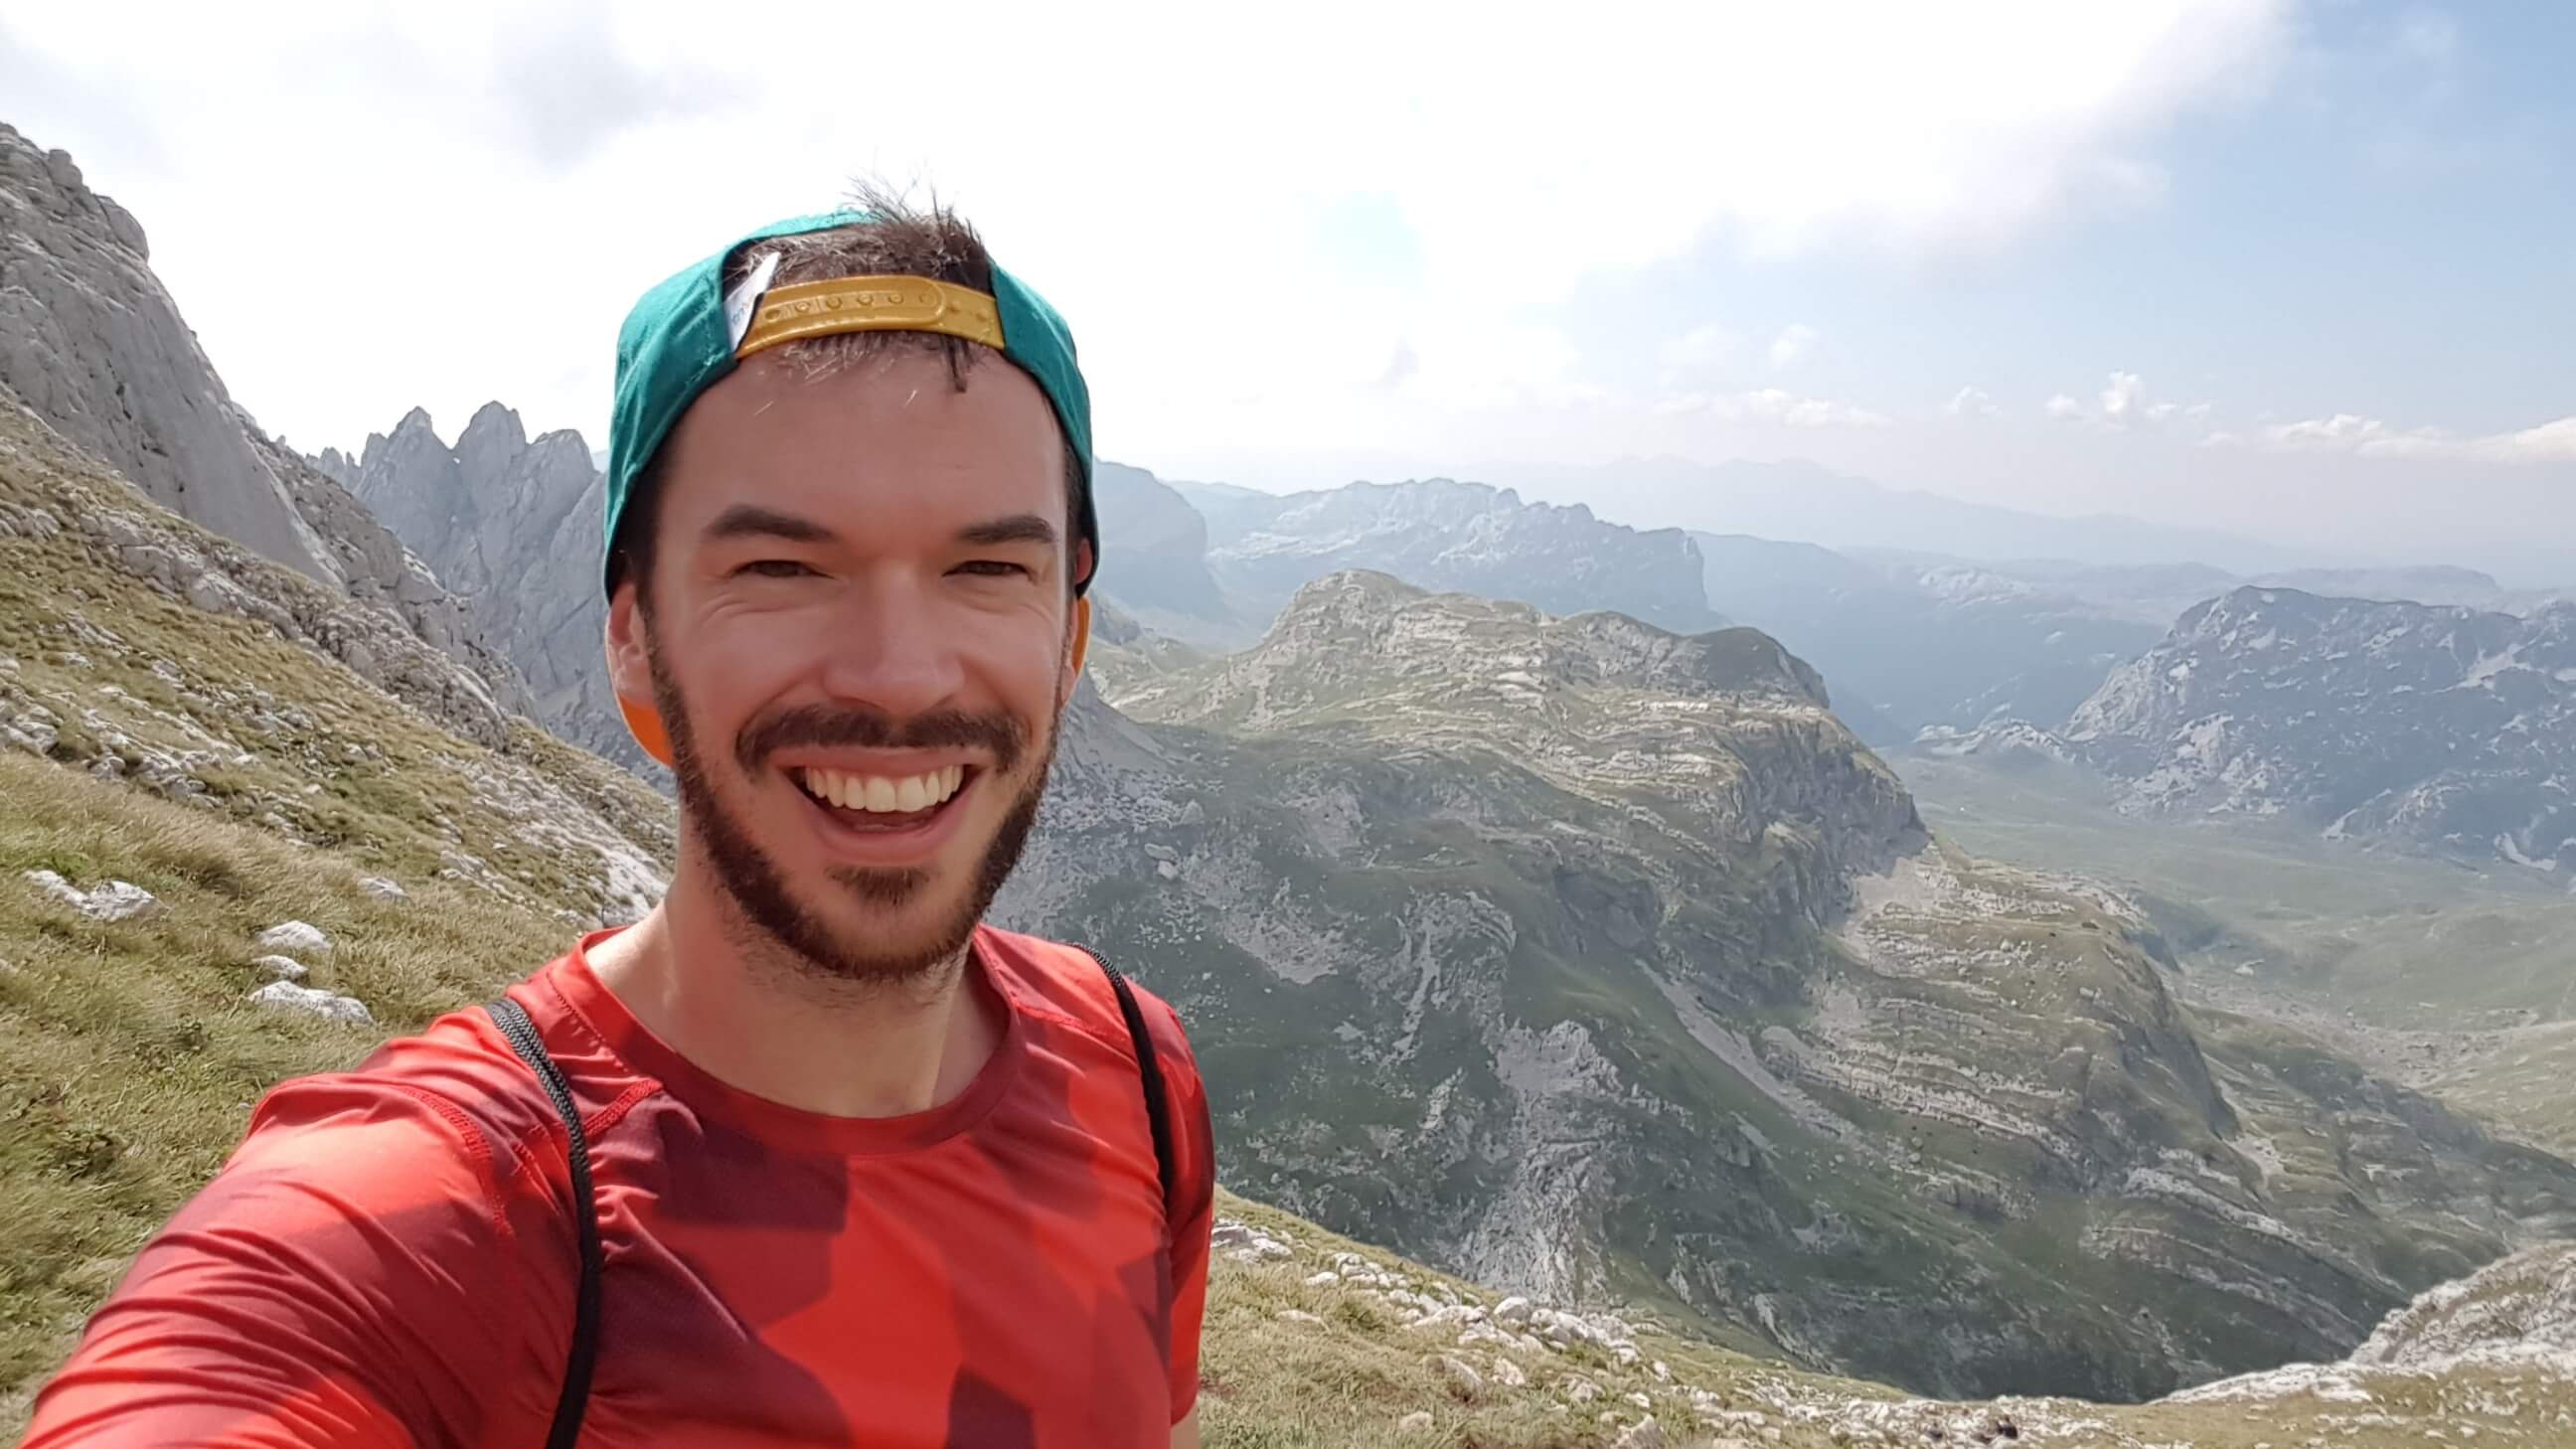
{"x": 890, "y": 651}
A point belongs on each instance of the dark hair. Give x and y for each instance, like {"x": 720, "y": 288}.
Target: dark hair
{"x": 900, "y": 238}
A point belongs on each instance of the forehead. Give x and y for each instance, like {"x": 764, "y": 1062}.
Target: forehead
{"x": 883, "y": 442}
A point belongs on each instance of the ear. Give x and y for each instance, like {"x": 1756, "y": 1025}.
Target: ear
{"x": 1078, "y": 647}
{"x": 630, "y": 672}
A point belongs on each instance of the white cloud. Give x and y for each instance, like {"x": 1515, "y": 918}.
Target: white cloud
{"x": 2163, "y": 412}
{"x": 1796, "y": 343}
{"x": 539, "y": 190}
{"x": 1971, "y": 402}
{"x": 2550, "y": 442}
{"x": 2120, "y": 399}
{"x": 2064, "y": 409}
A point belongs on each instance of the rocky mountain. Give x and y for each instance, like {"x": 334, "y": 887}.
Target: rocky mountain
{"x": 514, "y": 527}
{"x": 1443, "y": 535}
{"x": 1923, "y": 643}
{"x": 2442, "y": 728}
{"x": 1125, "y": 655}
{"x": 93, "y": 344}
{"x": 1154, "y": 561}
{"x": 1593, "y": 960}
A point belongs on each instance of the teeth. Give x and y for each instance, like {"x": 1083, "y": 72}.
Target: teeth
{"x": 882, "y": 794}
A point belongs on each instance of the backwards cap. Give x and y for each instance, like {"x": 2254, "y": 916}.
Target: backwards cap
{"x": 686, "y": 334}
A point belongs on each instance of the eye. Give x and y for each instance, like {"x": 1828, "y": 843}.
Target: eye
{"x": 992, "y": 568}
{"x": 773, "y": 568}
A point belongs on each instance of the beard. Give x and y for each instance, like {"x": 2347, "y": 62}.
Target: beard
{"x": 755, "y": 890}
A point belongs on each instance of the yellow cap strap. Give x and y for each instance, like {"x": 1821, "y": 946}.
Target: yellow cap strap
{"x": 871, "y": 304}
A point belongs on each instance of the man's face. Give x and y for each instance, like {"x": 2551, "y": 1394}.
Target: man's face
{"x": 860, "y": 641}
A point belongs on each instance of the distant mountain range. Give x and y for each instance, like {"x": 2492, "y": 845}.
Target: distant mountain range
{"x": 1801, "y": 500}
{"x": 1443, "y": 535}
{"x": 2433, "y": 726}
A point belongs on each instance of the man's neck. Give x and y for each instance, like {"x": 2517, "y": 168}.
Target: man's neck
{"x": 839, "y": 1048}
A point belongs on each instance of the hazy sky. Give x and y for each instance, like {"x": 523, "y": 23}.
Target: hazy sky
{"x": 2304, "y": 271}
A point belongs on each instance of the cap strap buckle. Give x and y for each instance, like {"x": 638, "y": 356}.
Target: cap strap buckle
{"x": 871, "y": 304}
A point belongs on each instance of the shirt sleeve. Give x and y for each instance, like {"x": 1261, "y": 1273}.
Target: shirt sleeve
{"x": 1194, "y": 1145}
{"x": 351, "y": 1278}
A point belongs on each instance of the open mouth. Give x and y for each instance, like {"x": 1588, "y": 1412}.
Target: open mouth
{"x": 884, "y": 803}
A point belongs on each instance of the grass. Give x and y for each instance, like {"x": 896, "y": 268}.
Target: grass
{"x": 129, "y": 1058}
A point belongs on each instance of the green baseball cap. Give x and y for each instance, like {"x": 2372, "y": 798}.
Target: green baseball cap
{"x": 686, "y": 334}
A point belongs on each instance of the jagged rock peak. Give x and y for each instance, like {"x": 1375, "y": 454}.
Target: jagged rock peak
{"x": 496, "y": 427}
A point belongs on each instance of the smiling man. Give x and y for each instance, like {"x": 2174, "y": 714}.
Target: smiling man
{"x": 809, "y": 1155}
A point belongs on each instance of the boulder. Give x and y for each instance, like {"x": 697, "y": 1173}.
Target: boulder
{"x": 1643, "y": 1434}
{"x": 1463, "y": 1379}
{"x": 118, "y": 900}
{"x": 283, "y": 968}
{"x": 296, "y": 938}
{"x": 287, "y": 996}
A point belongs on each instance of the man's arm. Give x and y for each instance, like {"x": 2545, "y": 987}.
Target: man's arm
{"x": 1193, "y": 1214}
{"x": 350, "y": 1279}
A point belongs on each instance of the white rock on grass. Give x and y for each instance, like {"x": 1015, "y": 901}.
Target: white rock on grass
{"x": 287, "y": 996}
{"x": 383, "y": 889}
{"x": 1508, "y": 1373}
{"x": 118, "y": 900}
{"x": 284, "y": 968}
{"x": 1417, "y": 1422}
{"x": 1462, "y": 1376}
{"x": 1296, "y": 1315}
{"x": 1325, "y": 1279}
{"x": 1643, "y": 1434}
{"x": 294, "y": 938}
{"x": 1247, "y": 1244}
{"x": 57, "y": 887}
{"x": 1515, "y": 1309}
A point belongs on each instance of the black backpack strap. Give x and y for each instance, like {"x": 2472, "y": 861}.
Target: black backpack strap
{"x": 575, "y": 1399}
{"x": 1149, "y": 1065}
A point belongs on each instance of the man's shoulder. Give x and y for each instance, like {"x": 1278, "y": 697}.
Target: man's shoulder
{"x": 452, "y": 1089}
{"x": 1072, "y": 982}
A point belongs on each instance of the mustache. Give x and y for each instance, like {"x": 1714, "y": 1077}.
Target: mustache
{"x": 826, "y": 727}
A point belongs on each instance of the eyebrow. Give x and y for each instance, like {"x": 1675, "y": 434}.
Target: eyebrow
{"x": 1018, "y": 528}
{"x": 744, "y": 520}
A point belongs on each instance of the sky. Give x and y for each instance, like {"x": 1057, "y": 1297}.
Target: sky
{"x": 2303, "y": 271}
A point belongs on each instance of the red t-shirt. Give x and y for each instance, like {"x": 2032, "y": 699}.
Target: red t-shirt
{"x": 389, "y": 1257}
